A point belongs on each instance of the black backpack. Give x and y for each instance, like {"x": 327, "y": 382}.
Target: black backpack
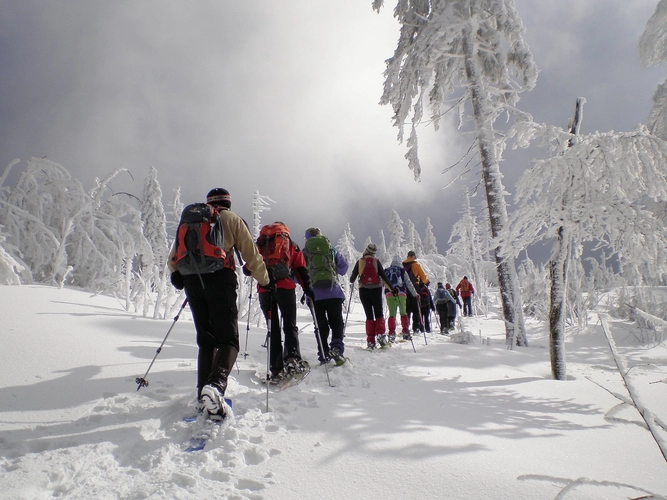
{"x": 199, "y": 242}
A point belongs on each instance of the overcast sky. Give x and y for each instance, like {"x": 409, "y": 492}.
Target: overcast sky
{"x": 282, "y": 97}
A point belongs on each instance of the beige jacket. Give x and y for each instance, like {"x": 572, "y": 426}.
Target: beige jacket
{"x": 237, "y": 235}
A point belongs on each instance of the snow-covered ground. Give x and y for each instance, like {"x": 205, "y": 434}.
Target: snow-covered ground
{"x": 473, "y": 421}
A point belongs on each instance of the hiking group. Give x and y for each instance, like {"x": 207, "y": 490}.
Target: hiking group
{"x": 202, "y": 263}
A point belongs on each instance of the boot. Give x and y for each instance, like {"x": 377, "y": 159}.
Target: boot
{"x": 379, "y": 326}
{"x": 405, "y": 325}
{"x": 212, "y": 394}
{"x": 391, "y": 325}
{"x": 204, "y": 365}
{"x": 370, "y": 331}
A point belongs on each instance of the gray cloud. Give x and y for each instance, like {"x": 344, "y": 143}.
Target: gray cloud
{"x": 280, "y": 97}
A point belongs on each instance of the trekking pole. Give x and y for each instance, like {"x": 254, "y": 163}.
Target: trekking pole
{"x": 349, "y": 304}
{"x": 319, "y": 341}
{"x": 421, "y": 319}
{"x": 268, "y": 354}
{"x": 247, "y": 327}
{"x": 141, "y": 381}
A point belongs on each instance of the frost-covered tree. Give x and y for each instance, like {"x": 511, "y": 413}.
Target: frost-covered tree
{"x": 10, "y": 269}
{"x": 653, "y": 51}
{"x": 593, "y": 191}
{"x": 382, "y": 248}
{"x": 469, "y": 249}
{"x": 474, "y": 49}
{"x": 176, "y": 208}
{"x": 429, "y": 243}
{"x": 260, "y": 203}
{"x": 410, "y": 236}
{"x": 396, "y": 235}
{"x": 345, "y": 245}
{"x": 154, "y": 222}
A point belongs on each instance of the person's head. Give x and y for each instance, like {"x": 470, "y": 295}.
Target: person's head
{"x": 412, "y": 253}
{"x": 448, "y": 286}
{"x": 312, "y": 231}
{"x": 396, "y": 261}
{"x": 219, "y": 198}
{"x": 439, "y": 284}
{"x": 465, "y": 278}
{"x": 371, "y": 249}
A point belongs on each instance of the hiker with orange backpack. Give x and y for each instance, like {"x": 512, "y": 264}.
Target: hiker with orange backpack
{"x": 466, "y": 291}
{"x": 417, "y": 275}
{"x": 285, "y": 263}
{"x": 202, "y": 261}
{"x": 371, "y": 274}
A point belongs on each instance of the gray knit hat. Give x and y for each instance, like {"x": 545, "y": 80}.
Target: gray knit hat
{"x": 371, "y": 249}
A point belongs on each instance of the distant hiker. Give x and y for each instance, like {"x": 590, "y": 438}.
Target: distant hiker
{"x": 466, "y": 291}
{"x": 425, "y": 306}
{"x": 398, "y": 278}
{"x": 442, "y": 298}
{"x": 451, "y": 307}
{"x": 202, "y": 261}
{"x": 324, "y": 262}
{"x": 417, "y": 276}
{"x": 369, "y": 270}
{"x": 284, "y": 260}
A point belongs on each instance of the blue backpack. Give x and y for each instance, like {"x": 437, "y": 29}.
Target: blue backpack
{"x": 395, "y": 276}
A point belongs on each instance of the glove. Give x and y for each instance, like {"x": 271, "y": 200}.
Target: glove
{"x": 310, "y": 293}
{"x": 177, "y": 280}
{"x": 246, "y": 271}
{"x": 272, "y": 284}
{"x": 395, "y": 291}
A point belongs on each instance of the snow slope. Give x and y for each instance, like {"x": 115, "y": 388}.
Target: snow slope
{"x": 449, "y": 421}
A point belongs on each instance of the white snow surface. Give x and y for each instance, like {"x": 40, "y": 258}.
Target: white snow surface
{"x": 463, "y": 421}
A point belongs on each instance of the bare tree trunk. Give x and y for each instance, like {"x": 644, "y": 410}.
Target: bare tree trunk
{"x": 558, "y": 266}
{"x": 558, "y": 274}
{"x": 510, "y": 298}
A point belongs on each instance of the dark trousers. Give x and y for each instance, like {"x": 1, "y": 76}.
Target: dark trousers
{"x": 283, "y": 300}
{"x": 371, "y": 299}
{"x": 329, "y": 317}
{"x": 215, "y": 316}
{"x": 467, "y": 306}
{"x": 426, "y": 318}
{"x": 412, "y": 309}
{"x": 442, "y": 316}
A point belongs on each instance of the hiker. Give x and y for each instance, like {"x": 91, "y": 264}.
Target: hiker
{"x": 451, "y": 306}
{"x": 398, "y": 279}
{"x": 284, "y": 259}
{"x": 465, "y": 290}
{"x": 211, "y": 291}
{"x": 324, "y": 262}
{"x": 425, "y": 307}
{"x": 417, "y": 275}
{"x": 442, "y": 298}
{"x": 369, "y": 270}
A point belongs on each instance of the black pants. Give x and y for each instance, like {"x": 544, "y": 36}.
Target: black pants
{"x": 285, "y": 301}
{"x": 215, "y": 315}
{"x": 442, "y": 315}
{"x": 426, "y": 318}
{"x": 329, "y": 317}
{"x": 371, "y": 299}
{"x": 467, "y": 305}
{"x": 412, "y": 309}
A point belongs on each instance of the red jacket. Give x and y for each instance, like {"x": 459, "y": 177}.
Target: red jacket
{"x": 297, "y": 262}
{"x": 464, "y": 288}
